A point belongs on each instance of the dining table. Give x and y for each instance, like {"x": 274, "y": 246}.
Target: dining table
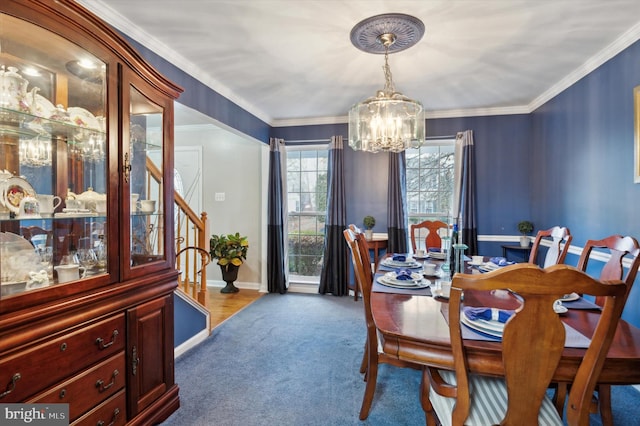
{"x": 413, "y": 326}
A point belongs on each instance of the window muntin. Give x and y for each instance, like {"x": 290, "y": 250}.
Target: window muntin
{"x": 430, "y": 181}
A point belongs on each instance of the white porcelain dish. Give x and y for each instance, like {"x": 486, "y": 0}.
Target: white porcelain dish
{"x": 83, "y": 118}
{"x": 570, "y": 297}
{"x": 395, "y": 264}
{"x": 483, "y": 326}
{"x": 392, "y": 277}
{"x": 13, "y": 190}
{"x": 411, "y": 285}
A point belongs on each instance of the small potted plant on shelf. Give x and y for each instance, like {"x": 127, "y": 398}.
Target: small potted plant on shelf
{"x": 525, "y": 227}
{"x": 231, "y": 252}
{"x": 369, "y": 222}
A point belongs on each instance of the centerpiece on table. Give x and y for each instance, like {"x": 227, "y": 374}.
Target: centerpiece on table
{"x": 231, "y": 252}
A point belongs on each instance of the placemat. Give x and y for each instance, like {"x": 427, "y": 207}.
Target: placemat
{"x": 581, "y": 303}
{"x": 573, "y": 338}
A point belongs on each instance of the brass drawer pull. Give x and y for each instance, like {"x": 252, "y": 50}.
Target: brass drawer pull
{"x": 11, "y": 386}
{"x": 100, "y": 383}
{"x": 102, "y": 345}
{"x": 114, "y": 418}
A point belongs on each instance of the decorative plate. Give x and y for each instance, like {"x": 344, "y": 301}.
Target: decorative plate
{"x": 14, "y": 190}
{"x": 83, "y": 118}
{"x": 43, "y": 107}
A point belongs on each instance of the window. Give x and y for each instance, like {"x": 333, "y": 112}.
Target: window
{"x": 430, "y": 181}
{"x": 307, "y": 207}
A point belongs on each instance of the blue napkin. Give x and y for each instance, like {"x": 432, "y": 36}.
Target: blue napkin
{"x": 403, "y": 275}
{"x": 489, "y": 314}
{"x": 399, "y": 258}
{"x": 434, "y": 249}
{"x": 500, "y": 261}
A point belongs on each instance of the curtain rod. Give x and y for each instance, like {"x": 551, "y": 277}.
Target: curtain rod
{"x": 440, "y": 137}
{"x": 310, "y": 141}
{"x": 305, "y": 141}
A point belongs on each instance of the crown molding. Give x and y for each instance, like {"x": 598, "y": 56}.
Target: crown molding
{"x": 621, "y": 43}
{"x": 129, "y": 28}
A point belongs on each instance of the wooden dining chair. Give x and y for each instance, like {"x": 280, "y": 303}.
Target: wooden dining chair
{"x": 618, "y": 248}
{"x": 373, "y": 354}
{"x": 556, "y": 252}
{"x": 356, "y": 288}
{"x": 432, "y": 239}
{"x": 460, "y": 397}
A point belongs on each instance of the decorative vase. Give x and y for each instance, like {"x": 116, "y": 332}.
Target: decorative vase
{"x": 229, "y": 275}
{"x": 524, "y": 241}
{"x": 368, "y": 234}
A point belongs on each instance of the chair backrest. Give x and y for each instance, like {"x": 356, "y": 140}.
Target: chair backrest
{"x": 432, "y": 239}
{"x": 364, "y": 277}
{"x": 37, "y": 236}
{"x": 529, "y": 368}
{"x": 556, "y": 254}
{"x": 619, "y": 247}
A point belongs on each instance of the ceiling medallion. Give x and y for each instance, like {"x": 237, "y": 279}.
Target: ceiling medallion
{"x": 388, "y": 121}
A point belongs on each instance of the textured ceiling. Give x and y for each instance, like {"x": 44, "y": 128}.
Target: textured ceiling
{"x": 292, "y": 62}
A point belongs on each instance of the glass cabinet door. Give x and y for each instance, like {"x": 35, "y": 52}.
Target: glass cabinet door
{"x": 54, "y": 192}
{"x": 144, "y": 176}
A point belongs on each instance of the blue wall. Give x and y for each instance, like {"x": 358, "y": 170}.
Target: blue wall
{"x": 582, "y": 161}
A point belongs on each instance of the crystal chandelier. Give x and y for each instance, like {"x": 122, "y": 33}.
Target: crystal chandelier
{"x": 388, "y": 121}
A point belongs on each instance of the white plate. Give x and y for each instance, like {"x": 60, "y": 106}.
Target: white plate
{"x": 83, "y": 118}
{"x": 436, "y": 255}
{"x": 559, "y": 309}
{"x": 411, "y": 285}
{"x": 570, "y": 297}
{"x": 14, "y": 190}
{"x": 478, "y": 325}
{"x": 392, "y": 277}
{"x": 394, "y": 264}
{"x": 474, "y": 264}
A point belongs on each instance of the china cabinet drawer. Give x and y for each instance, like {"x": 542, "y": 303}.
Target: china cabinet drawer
{"x": 43, "y": 365}
{"x": 112, "y": 412}
{"x": 89, "y": 388}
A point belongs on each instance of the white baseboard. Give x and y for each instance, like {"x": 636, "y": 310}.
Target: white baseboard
{"x": 191, "y": 343}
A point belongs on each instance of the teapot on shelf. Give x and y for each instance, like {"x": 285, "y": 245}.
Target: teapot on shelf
{"x": 92, "y": 200}
{"x": 13, "y": 91}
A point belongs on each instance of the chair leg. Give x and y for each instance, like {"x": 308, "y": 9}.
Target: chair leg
{"x": 604, "y": 403}
{"x": 371, "y": 377}
{"x": 424, "y": 399}
{"x": 365, "y": 357}
{"x": 559, "y": 397}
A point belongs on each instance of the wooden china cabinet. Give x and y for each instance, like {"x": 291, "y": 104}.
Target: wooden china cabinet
{"x": 86, "y": 218}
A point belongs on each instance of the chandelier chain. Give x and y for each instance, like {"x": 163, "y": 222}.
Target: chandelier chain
{"x": 388, "y": 83}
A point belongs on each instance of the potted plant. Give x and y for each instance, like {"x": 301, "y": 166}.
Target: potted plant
{"x": 525, "y": 227}
{"x": 231, "y": 252}
{"x": 369, "y": 222}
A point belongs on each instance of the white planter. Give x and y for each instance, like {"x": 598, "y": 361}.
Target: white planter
{"x": 524, "y": 241}
{"x": 368, "y": 234}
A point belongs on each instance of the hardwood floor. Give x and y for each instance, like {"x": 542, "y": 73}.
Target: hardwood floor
{"x": 222, "y": 306}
